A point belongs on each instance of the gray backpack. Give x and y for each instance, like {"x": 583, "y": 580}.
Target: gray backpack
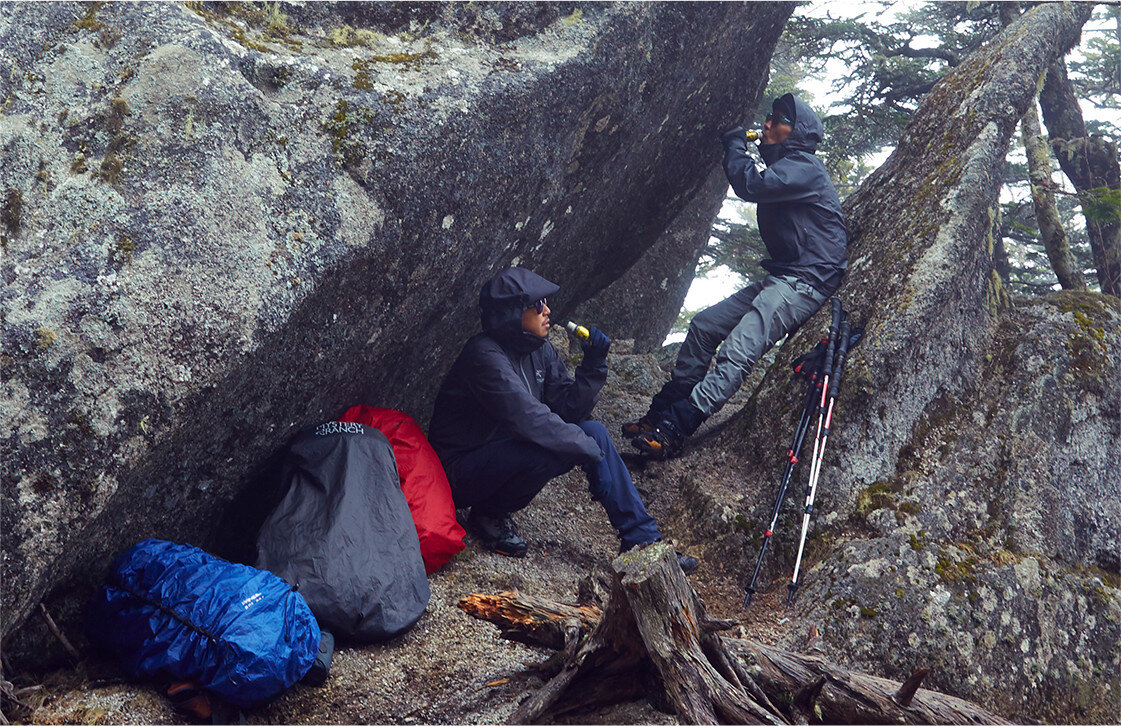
{"x": 343, "y": 534}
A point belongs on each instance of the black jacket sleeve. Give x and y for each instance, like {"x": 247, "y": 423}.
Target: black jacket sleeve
{"x": 573, "y": 399}
{"x": 787, "y": 180}
{"x": 504, "y": 394}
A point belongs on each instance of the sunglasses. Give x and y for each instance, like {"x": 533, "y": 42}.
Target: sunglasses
{"x": 540, "y": 305}
{"x": 782, "y": 119}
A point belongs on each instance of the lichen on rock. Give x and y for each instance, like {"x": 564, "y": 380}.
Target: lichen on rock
{"x": 228, "y": 238}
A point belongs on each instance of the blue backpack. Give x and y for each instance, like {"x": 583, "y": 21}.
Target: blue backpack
{"x": 174, "y": 610}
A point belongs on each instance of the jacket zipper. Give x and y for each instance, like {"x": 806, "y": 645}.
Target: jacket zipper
{"x": 521, "y": 370}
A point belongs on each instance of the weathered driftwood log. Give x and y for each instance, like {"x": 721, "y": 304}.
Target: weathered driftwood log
{"x": 654, "y": 638}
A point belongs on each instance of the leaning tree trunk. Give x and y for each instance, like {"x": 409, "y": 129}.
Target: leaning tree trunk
{"x": 655, "y": 631}
{"x": 1091, "y": 164}
{"x": 1051, "y": 232}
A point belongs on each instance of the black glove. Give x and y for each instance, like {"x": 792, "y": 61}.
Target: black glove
{"x": 729, "y": 135}
{"x": 808, "y": 364}
{"x": 597, "y": 344}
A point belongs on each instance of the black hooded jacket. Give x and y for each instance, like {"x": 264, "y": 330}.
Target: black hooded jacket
{"x": 799, "y": 213}
{"x": 507, "y": 383}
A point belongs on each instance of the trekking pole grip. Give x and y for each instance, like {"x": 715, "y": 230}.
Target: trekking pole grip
{"x": 842, "y": 353}
{"x": 831, "y": 346}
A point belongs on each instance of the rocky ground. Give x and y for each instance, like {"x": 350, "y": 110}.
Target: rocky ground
{"x": 451, "y": 668}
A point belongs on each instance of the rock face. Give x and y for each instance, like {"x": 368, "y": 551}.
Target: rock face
{"x": 966, "y": 517}
{"x": 644, "y": 303}
{"x": 222, "y": 223}
{"x": 990, "y": 554}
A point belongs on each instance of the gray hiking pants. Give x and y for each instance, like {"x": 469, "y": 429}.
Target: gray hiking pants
{"x": 748, "y": 323}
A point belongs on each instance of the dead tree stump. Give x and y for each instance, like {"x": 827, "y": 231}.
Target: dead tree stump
{"x": 654, "y": 634}
{"x": 678, "y": 637}
{"x": 654, "y": 638}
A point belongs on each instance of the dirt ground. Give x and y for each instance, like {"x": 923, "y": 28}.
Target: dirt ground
{"x": 451, "y": 668}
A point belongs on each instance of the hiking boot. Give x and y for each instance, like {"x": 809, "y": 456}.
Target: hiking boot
{"x": 189, "y": 700}
{"x": 638, "y": 427}
{"x": 661, "y": 443}
{"x": 498, "y": 533}
{"x": 687, "y": 563}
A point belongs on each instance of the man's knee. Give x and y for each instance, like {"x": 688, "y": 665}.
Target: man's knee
{"x": 598, "y": 432}
{"x": 551, "y": 465}
{"x": 530, "y": 464}
{"x": 704, "y": 325}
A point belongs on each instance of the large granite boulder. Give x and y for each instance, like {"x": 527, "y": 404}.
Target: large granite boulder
{"x": 644, "y": 303}
{"x": 966, "y": 517}
{"x": 222, "y": 222}
{"x": 990, "y": 554}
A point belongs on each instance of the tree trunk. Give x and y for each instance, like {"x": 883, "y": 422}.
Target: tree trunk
{"x": 1051, "y": 232}
{"x": 1001, "y": 265}
{"x": 655, "y": 633}
{"x": 1092, "y": 166}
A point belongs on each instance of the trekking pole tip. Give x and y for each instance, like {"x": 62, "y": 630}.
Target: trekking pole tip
{"x": 793, "y": 590}
{"x": 748, "y": 592}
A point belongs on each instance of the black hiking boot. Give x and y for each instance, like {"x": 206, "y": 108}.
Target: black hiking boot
{"x": 661, "y": 443}
{"x": 687, "y": 563}
{"x": 498, "y": 533}
{"x": 645, "y": 425}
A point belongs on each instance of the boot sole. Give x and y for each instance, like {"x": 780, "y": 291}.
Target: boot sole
{"x": 655, "y": 450}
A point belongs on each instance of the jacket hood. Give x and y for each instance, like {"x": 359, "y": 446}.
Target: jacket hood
{"x": 805, "y": 136}
{"x": 503, "y": 300}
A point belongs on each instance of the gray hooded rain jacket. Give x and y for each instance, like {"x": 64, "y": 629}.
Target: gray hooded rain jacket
{"x": 799, "y": 214}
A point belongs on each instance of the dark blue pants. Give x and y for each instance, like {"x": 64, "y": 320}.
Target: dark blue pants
{"x": 505, "y": 475}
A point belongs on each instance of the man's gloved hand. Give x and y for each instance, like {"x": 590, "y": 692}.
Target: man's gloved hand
{"x": 732, "y": 134}
{"x": 597, "y": 344}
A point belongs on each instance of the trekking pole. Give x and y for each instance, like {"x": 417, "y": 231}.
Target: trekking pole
{"x": 827, "y": 370}
{"x": 818, "y": 378}
{"x": 810, "y": 366}
{"x": 819, "y": 454}
{"x": 791, "y": 460}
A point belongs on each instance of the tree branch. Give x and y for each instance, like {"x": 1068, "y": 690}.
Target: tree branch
{"x": 939, "y": 53}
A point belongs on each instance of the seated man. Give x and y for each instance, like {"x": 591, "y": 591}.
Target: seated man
{"x": 509, "y": 417}
{"x": 803, "y": 227}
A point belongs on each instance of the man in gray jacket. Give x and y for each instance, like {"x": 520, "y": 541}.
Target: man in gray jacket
{"x": 801, "y": 224}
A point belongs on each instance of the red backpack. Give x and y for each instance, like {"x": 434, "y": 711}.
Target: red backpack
{"x": 423, "y": 481}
